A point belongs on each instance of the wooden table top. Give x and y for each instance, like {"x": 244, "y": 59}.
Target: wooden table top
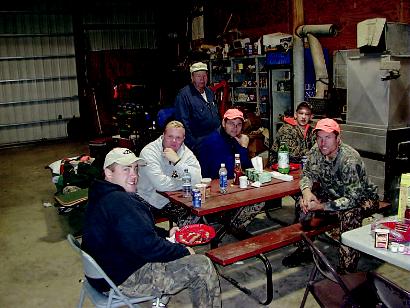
{"x": 237, "y": 197}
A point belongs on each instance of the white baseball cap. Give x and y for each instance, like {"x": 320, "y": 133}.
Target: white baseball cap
{"x": 199, "y": 66}
{"x": 122, "y": 156}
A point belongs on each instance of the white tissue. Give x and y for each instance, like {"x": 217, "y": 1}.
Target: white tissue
{"x": 257, "y": 163}
{"x": 256, "y": 184}
{"x": 281, "y": 176}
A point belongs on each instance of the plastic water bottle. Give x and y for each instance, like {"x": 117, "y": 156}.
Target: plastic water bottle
{"x": 186, "y": 184}
{"x": 223, "y": 179}
{"x": 283, "y": 158}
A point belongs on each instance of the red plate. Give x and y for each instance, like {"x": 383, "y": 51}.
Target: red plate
{"x": 292, "y": 166}
{"x": 192, "y": 235}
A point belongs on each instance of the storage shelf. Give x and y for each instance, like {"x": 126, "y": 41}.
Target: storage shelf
{"x": 252, "y": 70}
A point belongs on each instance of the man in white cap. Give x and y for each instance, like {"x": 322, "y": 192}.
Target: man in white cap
{"x": 120, "y": 234}
{"x": 195, "y": 107}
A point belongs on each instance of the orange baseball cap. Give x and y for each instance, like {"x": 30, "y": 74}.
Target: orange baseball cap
{"x": 231, "y": 114}
{"x": 327, "y": 125}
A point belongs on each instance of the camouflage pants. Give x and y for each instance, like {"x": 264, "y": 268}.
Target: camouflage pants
{"x": 246, "y": 215}
{"x": 177, "y": 214}
{"x": 194, "y": 272}
{"x": 348, "y": 220}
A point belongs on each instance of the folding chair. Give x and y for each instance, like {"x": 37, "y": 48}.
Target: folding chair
{"x": 350, "y": 290}
{"x": 390, "y": 294}
{"x": 91, "y": 269}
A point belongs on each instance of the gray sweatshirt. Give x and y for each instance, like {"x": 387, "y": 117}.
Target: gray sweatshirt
{"x": 161, "y": 175}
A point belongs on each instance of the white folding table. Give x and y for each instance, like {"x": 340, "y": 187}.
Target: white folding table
{"x": 361, "y": 239}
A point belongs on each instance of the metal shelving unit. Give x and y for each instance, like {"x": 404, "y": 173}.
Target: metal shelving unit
{"x": 248, "y": 80}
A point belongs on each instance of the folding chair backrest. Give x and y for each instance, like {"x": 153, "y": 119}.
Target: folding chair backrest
{"x": 389, "y": 293}
{"x": 93, "y": 270}
{"x": 74, "y": 243}
{"x": 323, "y": 265}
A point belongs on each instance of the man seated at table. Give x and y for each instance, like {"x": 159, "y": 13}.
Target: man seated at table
{"x": 221, "y": 147}
{"x": 297, "y": 133}
{"x": 120, "y": 234}
{"x": 344, "y": 193}
{"x": 167, "y": 157}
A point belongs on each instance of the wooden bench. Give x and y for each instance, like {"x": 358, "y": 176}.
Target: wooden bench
{"x": 257, "y": 245}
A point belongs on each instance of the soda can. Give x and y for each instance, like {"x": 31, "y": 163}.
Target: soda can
{"x": 196, "y": 197}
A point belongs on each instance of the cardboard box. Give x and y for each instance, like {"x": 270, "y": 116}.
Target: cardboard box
{"x": 275, "y": 39}
{"x": 256, "y": 145}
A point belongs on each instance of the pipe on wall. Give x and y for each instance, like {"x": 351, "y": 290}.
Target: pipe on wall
{"x": 322, "y": 77}
{"x": 326, "y": 29}
{"x": 298, "y": 71}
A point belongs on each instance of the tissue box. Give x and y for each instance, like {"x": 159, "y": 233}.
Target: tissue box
{"x": 249, "y": 173}
{"x": 262, "y": 177}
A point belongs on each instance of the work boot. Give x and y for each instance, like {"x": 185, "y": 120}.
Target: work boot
{"x": 299, "y": 256}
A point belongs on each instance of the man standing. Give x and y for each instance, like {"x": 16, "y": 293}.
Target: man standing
{"x": 297, "y": 133}
{"x": 167, "y": 157}
{"x": 221, "y": 147}
{"x": 195, "y": 107}
{"x": 344, "y": 192}
{"x": 119, "y": 233}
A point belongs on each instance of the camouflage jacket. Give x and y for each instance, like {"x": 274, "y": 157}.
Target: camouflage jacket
{"x": 343, "y": 181}
{"x": 298, "y": 142}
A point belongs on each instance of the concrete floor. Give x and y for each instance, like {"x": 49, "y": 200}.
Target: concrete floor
{"x": 40, "y": 269}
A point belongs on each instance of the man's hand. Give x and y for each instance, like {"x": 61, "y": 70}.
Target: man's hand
{"x": 315, "y": 206}
{"x": 308, "y": 200}
{"x": 243, "y": 140}
{"x": 172, "y": 231}
{"x": 171, "y": 155}
{"x": 191, "y": 251}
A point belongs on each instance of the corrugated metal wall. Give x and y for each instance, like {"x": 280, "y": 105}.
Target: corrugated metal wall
{"x": 38, "y": 80}
{"x": 134, "y": 30}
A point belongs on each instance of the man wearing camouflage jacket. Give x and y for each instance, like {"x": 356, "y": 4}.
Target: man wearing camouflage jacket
{"x": 344, "y": 191}
{"x": 297, "y": 133}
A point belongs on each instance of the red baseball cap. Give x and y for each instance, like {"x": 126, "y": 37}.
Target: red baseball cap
{"x": 231, "y": 114}
{"x": 327, "y": 125}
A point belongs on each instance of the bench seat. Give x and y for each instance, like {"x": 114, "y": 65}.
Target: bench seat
{"x": 262, "y": 243}
{"x": 265, "y": 242}
{"x": 258, "y": 245}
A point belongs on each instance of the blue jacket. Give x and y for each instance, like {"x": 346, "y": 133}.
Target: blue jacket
{"x": 119, "y": 233}
{"x": 219, "y": 148}
{"x": 199, "y": 117}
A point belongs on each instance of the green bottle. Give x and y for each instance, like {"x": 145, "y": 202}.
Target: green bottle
{"x": 283, "y": 158}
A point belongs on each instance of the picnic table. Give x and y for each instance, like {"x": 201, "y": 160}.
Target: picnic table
{"x": 235, "y": 199}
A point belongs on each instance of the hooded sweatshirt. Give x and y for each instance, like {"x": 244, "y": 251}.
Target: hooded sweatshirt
{"x": 219, "y": 148}
{"x": 120, "y": 234}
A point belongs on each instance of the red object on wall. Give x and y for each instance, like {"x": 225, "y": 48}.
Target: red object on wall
{"x": 221, "y": 91}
